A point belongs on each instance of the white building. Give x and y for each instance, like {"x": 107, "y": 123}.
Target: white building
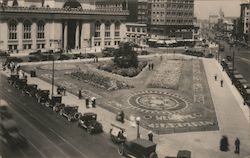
{"x": 51, "y": 24}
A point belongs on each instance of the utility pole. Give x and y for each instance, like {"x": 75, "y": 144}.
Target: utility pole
{"x": 53, "y": 75}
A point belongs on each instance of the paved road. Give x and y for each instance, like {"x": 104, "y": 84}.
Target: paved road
{"x": 49, "y": 134}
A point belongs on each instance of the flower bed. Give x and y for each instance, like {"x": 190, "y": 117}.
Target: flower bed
{"x": 126, "y": 72}
{"x": 167, "y": 76}
{"x": 99, "y": 79}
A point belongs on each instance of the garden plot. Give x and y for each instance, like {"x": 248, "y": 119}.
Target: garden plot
{"x": 167, "y": 75}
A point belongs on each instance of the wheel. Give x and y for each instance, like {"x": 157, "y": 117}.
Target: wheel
{"x": 77, "y": 115}
{"x": 121, "y": 150}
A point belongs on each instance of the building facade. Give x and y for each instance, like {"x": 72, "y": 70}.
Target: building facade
{"x": 137, "y": 33}
{"x": 142, "y": 12}
{"x": 171, "y": 18}
{"x": 245, "y": 21}
{"x": 52, "y": 24}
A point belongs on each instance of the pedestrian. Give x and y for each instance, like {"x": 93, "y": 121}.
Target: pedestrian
{"x": 215, "y": 77}
{"x": 94, "y": 60}
{"x": 87, "y": 102}
{"x": 58, "y": 90}
{"x": 64, "y": 91}
{"x": 80, "y": 94}
{"x": 224, "y": 144}
{"x": 152, "y": 66}
{"x": 149, "y": 66}
{"x": 150, "y": 136}
{"x": 97, "y": 59}
{"x": 93, "y": 101}
{"x": 237, "y": 146}
{"x": 221, "y": 83}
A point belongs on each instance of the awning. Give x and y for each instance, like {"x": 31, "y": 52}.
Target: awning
{"x": 170, "y": 41}
{"x": 152, "y": 40}
{"x": 160, "y": 42}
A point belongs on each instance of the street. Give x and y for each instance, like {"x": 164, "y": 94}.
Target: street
{"x": 48, "y": 133}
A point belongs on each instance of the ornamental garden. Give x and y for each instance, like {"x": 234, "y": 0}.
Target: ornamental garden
{"x": 171, "y": 96}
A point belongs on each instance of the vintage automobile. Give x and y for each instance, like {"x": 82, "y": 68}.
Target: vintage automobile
{"x": 117, "y": 134}
{"x": 181, "y": 154}
{"x": 70, "y": 112}
{"x": 30, "y": 89}
{"x": 89, "y": 122}
{"x": 42, "y": 96}
{"x": 11, "y": 135}
{"x": 246, "y": 97}
{"x": 240, "y": 84}
{"x": 12, "y": 79}
{"x": 56, "y": 99}
{"x": 58, "y": 107}
{"x": 4, "y": 112}
{"x": 20, "y": 83}
{"x": 138, "y": 148}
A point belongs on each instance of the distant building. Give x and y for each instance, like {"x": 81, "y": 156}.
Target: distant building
{"x": 137, "y": 33}
{"x": 171, "y": 19}
{"x": 66, "y": 24}
{"x": 142, "y": 13}
{"x": 245, "y": 21}
{"x": 213, "y": 19}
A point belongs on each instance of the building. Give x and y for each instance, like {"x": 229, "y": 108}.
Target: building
{"x": 213, "y": 19}
{"x": 111, "y": 5}
{"x": 137, "y": 33}
{"x": 245, "y": 21}
{"x": 171, "y": 19}
{"x": 52, "y": 24}
{"x": 142, "y": 12}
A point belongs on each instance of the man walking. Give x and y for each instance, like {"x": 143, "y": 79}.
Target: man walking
{"x": 221, "y": 83}
{"x": 150, "y": 136}
{"x": 215, "y": 77}
{"x": 237, "y": 146}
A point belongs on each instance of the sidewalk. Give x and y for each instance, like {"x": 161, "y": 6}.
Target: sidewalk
{"x": 232, "y": 121}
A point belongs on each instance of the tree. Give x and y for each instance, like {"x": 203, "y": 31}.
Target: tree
{"x": 125, "y": 56}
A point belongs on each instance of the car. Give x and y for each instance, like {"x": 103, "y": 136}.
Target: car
{"x": 70, "y": 112}
{"x": 12, "y": 78}
{"x": 20, "y": 83}
{"x": 138, "y": 148}
{"x": 56, "y": 99}
{"x": 58, "y": 107}
{"x": 246, "y": 97}
{"x": 11, "y": 135}
{"x": 89, "y": 122}
{"x": 30, "y": 89}
{"x": 42, "y": 96}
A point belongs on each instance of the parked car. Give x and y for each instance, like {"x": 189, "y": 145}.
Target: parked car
{"x": 70, "y": 112}
{"x": 56, "y": 99}
{"x": 117, "y": 134}
{"x": 30, "y": 89}
{"x": 11, "y": 135}
{"x": 42, "y": 96}
{"x": 138, "y": 148}
{"x": 246, "y": 97}
{"x": 20, "y": 83}
{"x": 181, "y": 154}
{"x": 58, "y": 107}
{"x": 12, "y": 79}
{"x": 89, "y": 122}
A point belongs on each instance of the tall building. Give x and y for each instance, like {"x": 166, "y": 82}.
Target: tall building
{"x": 142, "y": 11}
{"x": 245, "y": 21}
{"x": 67, "y": 24}
{"x": 171, "y": 19}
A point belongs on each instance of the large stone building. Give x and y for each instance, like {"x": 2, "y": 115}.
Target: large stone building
{"x": 52, "y": 24}
{"x": 245, "y": 21}
{"x": 171, "y": 19}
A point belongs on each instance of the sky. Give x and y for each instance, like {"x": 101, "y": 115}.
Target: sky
{"x": 204, "y": 8}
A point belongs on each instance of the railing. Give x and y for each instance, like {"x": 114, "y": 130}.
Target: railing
{"x": 62, "y": 10}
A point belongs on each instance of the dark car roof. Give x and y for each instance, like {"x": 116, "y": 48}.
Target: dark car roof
{"x": 89, "y": 114}
{"x": 143, "y": 143}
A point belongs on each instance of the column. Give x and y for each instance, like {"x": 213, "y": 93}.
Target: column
{"x": 20, "y": 35}
{"x": 112, "y": 34}
{"x": 34, "y": 35}
{"x": 77, "y": 35}
{"x": 4, "y": 35}
{"x": 65, "y": 36}
{"x": 102, "y": 34}
{"x": 47, "y": 34}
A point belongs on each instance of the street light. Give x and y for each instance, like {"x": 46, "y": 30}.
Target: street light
{"x": 138, "y": 119}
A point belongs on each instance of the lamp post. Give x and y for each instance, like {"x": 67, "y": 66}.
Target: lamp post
{"x": 138, "y": 119}
{"x": 53, "y": 75}
{"x": 233, "y": 67}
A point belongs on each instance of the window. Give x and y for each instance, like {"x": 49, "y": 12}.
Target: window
{"x": 13, "y": 30}
{"x": 40, "y": 30}
{"x": 107, "y": 30}
{"x": 27, "y": 30}
{"x": 117, "y": 29}
{"x": 97, "y": 29}
{"x": 27, "y": 46}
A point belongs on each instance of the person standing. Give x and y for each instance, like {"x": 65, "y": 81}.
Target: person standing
{"x": 237, "y": 146}
{"x": 93, "y": 100}
{"x": 150, "y": 136}
{"x": 87, "y": 102}
{"x": 221, "y": 83}
{"x": 215, "y": 77}
{"x": 224, "y": 145}
{"x": 152, "y": 66}
{"x": 80, "y": 94}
